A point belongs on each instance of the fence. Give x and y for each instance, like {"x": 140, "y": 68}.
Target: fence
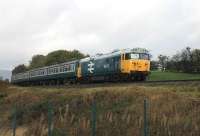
{"x": 90, "y": 119}
{"x": 93, "y": 121}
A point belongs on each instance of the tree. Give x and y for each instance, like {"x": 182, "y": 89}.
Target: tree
{"x": 154, "y": 65}
{"x": 37, "y": 61}
{"x": 174, "y": 63}
{"x": 186, "y": 61}
{"x": 52, "y": 58}
{"x": 163, "y": 61}
{"x": 19, "y": 69}
{"x": 61, "y": 56}
{"x": 196, "y": 60}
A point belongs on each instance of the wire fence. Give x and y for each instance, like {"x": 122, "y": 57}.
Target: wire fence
{"x": 51, "y": 120}
{"x": 88, "y": 121}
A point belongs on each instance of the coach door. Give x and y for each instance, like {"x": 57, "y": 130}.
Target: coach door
{"x": 79, "y": 71}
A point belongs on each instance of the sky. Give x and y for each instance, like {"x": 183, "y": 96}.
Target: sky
{"x": 29, "y": 27}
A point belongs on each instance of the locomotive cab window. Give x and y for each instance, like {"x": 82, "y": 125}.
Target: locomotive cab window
{"x": 137, "y": 56}
{"x": 132, "y": 56}
{"x": 144, "y": 56}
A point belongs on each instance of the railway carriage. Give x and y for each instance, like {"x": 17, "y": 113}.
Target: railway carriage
{"x": 20, "y": 78}
{"x": 124, "y": 65}
{"x": 55, "y": 74}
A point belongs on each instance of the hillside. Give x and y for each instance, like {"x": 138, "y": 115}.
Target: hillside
{"x": 174, "y": 109}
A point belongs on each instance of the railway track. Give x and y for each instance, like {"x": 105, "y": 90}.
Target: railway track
{"x": 115, "y": 84}
{"x": 172, "y": 81}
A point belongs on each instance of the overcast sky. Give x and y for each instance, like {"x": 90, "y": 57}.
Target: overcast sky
{"x": 29, "y": 27}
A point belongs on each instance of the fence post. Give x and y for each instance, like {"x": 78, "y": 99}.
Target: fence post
{"x": 93, "y": 118}
{"x": 50, "y": 114}
{"x": 14, "y": 120}
{"x": 146, "y": 126}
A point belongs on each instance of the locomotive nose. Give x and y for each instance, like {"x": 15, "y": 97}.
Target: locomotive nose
{"x": 139, "y": 65}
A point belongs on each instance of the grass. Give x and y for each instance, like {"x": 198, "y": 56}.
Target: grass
{"x": 174, "y": 109}
{"x": 159, "y": 75}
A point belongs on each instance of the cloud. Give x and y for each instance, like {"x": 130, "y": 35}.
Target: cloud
{"x": 92, "y": 26}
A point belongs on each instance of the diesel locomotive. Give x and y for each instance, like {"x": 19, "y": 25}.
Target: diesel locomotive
{"x": 119, "y": 65}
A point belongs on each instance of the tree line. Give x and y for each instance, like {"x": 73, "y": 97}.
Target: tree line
{"x": 187, "y": 60}
{"x": 52, "y": 58}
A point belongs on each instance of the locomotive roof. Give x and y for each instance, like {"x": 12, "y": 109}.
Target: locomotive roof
{"x": 55, "y": 65}
{"x": 115, "y": 53}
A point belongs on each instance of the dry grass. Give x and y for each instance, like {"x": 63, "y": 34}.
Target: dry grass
{"x": 174, "y": 109}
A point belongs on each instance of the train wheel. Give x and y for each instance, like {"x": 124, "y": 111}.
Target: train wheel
{"x": 143, "y": 78}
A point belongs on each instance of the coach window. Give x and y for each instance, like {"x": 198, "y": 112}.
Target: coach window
{"x": 112, "y": 60}
{"x": 68, "y": 67}
{"x": 51, "y": 70}
{"x": 65, "y": 68}
{"x": 56, "y": 70}
{"x": 72, "y": 67}
{"x": 107, "y": 60}
{"x": 61, "y": 69}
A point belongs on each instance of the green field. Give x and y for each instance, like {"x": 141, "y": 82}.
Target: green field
{"x": 174, "y": 109}
{"x": 158, "y": 75}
